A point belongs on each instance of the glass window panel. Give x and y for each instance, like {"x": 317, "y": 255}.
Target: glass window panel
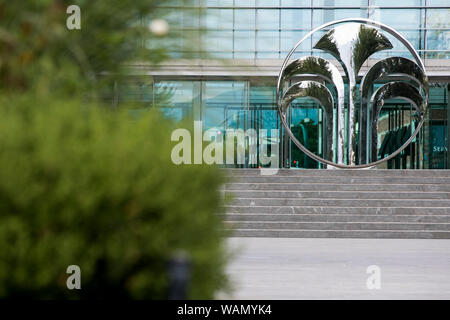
{"x": 340, "y": 3}
{"x": 322, "y": 16}
{"x": 191, "y": 40}
{"x": 222, "y": 55}
{"x": 174, "y": 42}
{"x": 218, "y": 3}
{"x": 219, "y": 41}
{"x": 224, "y": 104}
{"x": 187, "y": 18}
{"x": 296, "y": 19}
{"x": 176, "y": 54}
{"x": 305, "y": 126}
{"x": 437, "y": 3}
{"x": 219, "y": 19}
{"x": 267, "y": 41}
{"x": 244, "y": 41}
{"x": 438, "y": 40}
{"x": 438, "y": 144}
{"x": 175, "y": 98}
{"x": 438, "y": 18}
{"x": 397, "y": 3}
{"x": 263, "y": 96}
{"x": 173, "y": 17}
{"x": 244, "y": 19}
{"x": 290, "y": 38}
{"x": 410, "y": 18}
{"x": 244, "y": 3}
{"x": 244, "y": 55}
{"x": 140, "y": 92}
{"x": 225, "y": 93}
{"x": 179, "y": 3}
{"x": 438, "y": 54}
{"x": 268, "y": 19}
{"x": 267, "y": 55}
{"x": 263, "y": 112}
{"x": 269, "y": 118}
{"x": 438, "y": 33}
{"x": 437, "y": 95}
{"x": 374, "y": 13}
{"x": 268, "y": 3}
{"x": 415, "y": 37}
{"x": 296, "y": 3}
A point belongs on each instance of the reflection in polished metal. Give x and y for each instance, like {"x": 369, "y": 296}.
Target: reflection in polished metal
{"x": 323, "y": 96}
{"x": 304, "y": 69}
{"x": 391, "y": 66}
{"x": 393, "y": 90}
{"x": 352, "y": 44}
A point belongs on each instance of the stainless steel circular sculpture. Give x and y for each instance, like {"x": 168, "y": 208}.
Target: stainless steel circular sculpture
{"x": 352, "y": 42}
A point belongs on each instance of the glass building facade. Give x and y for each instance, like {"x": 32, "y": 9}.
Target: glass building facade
{"x": 226, "y": 55}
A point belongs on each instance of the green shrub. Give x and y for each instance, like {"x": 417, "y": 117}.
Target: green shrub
{"x": 39, "y": 52}
{"x": 89, "y": 187}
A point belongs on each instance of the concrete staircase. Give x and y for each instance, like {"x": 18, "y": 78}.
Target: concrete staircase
{"x": 339, "y": 203}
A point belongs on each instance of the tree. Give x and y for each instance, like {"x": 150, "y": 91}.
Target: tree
{"x": 82, "y": 185}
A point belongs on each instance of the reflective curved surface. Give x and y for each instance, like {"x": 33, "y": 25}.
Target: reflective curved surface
{"x": 390, "y": 66}
{"x": 352, "y": 45}
{"x": 319, "y": 67}
{"x": 320, "y": 93}
{"x": 392, "y": 90}
{"x": 383, "y": 69}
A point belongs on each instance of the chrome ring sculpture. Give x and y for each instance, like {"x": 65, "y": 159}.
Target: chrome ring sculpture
{"x": 352, "y": 42}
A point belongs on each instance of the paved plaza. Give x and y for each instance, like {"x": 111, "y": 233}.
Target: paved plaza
{"x": 286, "y": 268}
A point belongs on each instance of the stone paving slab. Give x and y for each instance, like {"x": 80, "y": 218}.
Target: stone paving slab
{"x": 287, "y": 268}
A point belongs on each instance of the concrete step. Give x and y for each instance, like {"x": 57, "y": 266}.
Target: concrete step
{"x": 390, "y": 234}
{"x": 341, "y": 179}
{"x": 338, "y": 194}
{"x": 338, "y": 203}
{"x": 242, "y": 217}
{"x": 338, "y": 187}
{"x": 340, "y": 173}
{"x": 374, "y": 203}
{"x": 405, "y": 210}
{"x": 369, "y": 226}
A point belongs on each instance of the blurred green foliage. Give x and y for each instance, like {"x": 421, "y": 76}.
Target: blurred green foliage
{"x": 82, "y": 184}
{"x": 97, "y": 189}
{"x": 37, "y": 50}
